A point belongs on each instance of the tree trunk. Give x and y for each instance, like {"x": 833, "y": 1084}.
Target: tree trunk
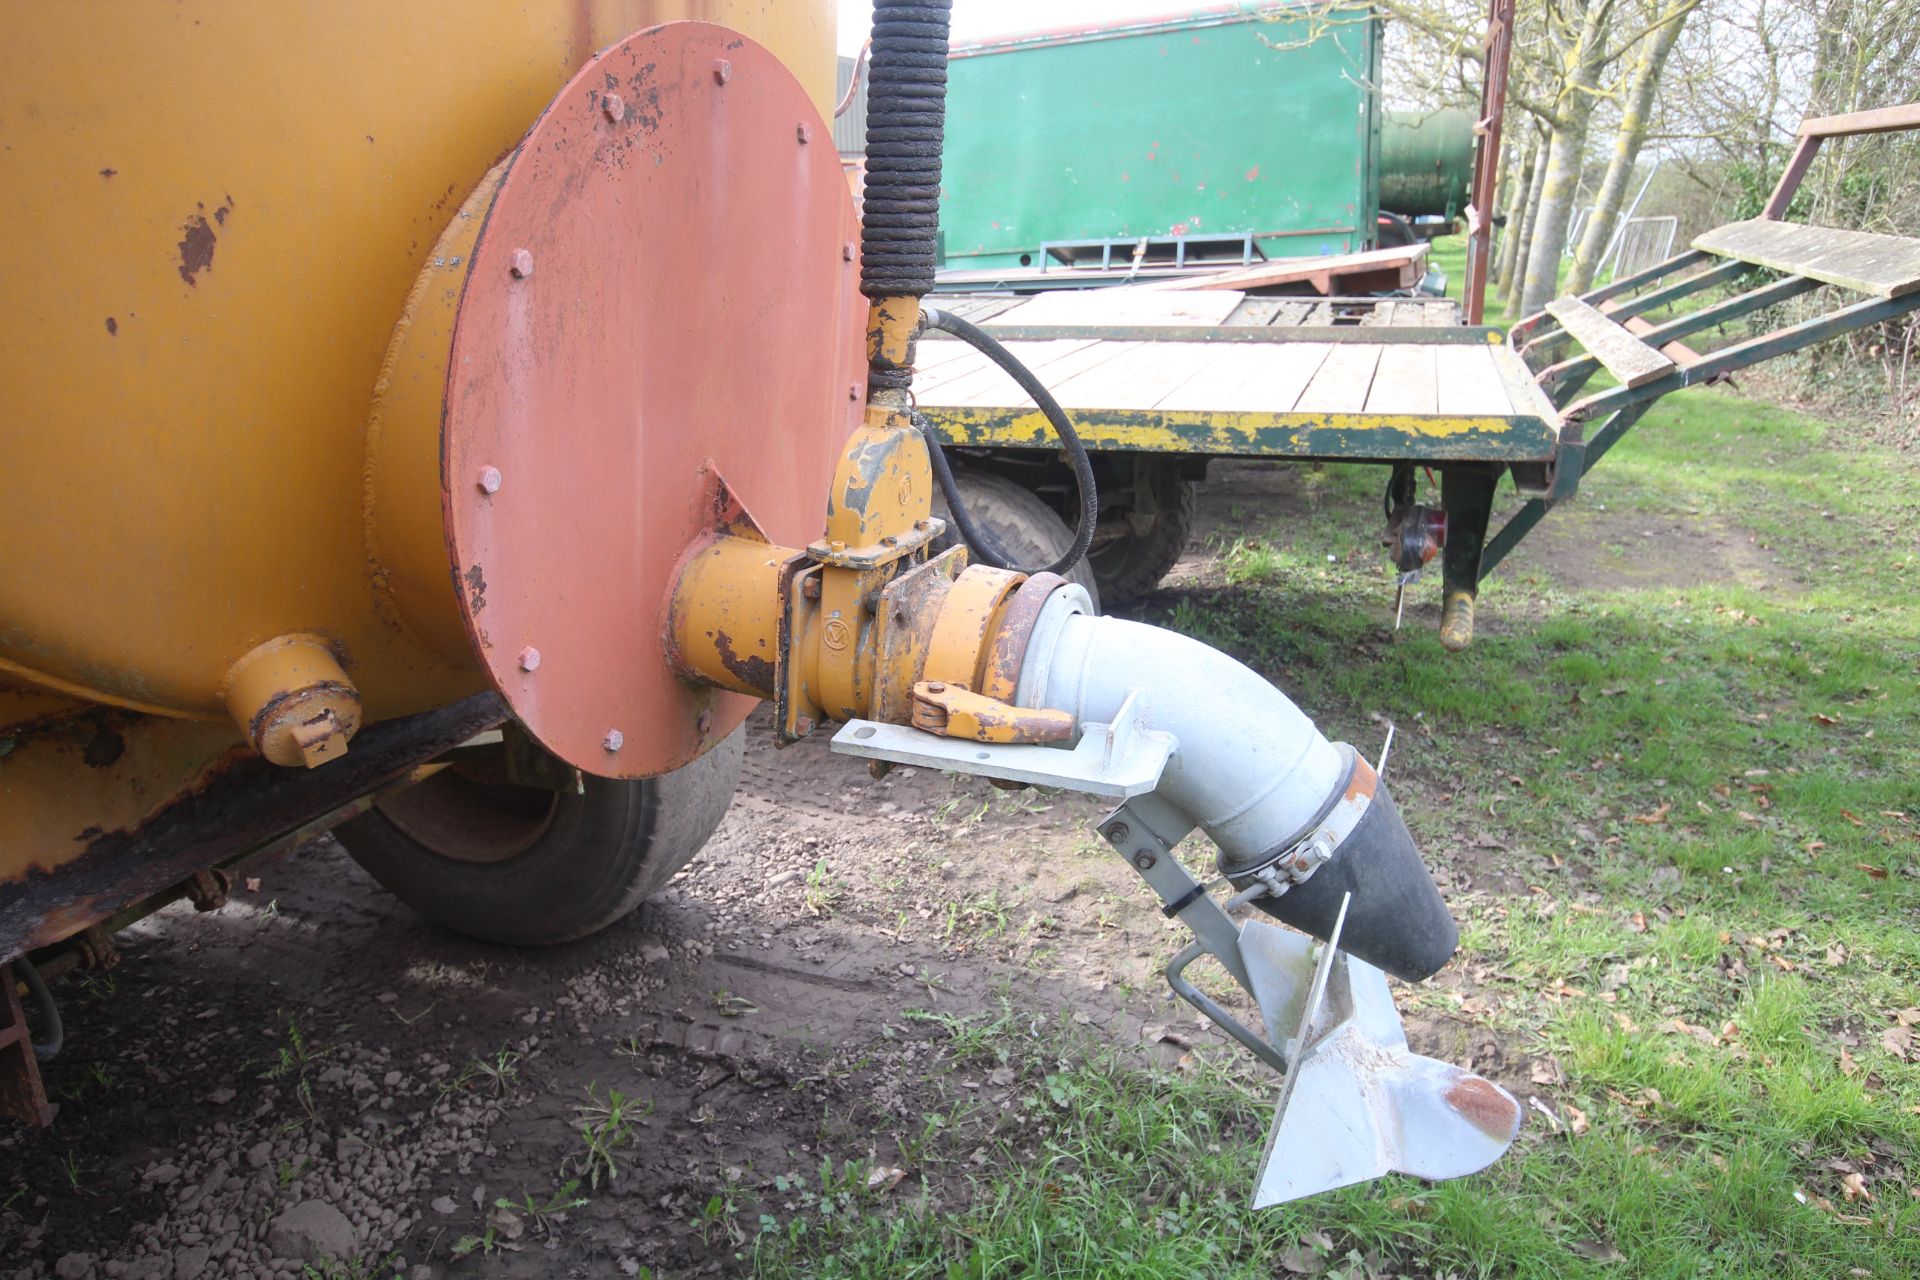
{"x": 1513, "y": 199}
{"x": 1634, "y": 121}
{"x": 1583, "y": 60}
{"x": 1523, "y": 243}
{"x": 1557, "y": 194}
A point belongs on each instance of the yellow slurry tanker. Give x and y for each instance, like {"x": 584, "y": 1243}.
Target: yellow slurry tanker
{"x": 443, "y": 422}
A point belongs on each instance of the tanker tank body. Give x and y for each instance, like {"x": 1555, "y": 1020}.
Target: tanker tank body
{"x": 227, "y": 612}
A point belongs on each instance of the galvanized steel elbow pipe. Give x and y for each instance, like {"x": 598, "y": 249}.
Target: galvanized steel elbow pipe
{"x": 1287, "y": 808}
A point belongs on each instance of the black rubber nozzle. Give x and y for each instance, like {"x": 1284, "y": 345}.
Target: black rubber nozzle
{"x": 1397, "y": 921}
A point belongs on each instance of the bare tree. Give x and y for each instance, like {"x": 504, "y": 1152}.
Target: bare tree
{"x": 1666, "y": 21}
{"x": 1529, "y": 220}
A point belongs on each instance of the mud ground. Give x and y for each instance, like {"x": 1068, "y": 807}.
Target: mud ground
{"x": 316, "y": 1070}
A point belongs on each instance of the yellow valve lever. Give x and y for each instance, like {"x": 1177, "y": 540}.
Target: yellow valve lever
{"x": 955, "y": 711}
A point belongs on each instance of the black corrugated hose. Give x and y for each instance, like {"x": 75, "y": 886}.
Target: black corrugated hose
{"x": 906, "y": 112}
{"x": 900, "y": 236}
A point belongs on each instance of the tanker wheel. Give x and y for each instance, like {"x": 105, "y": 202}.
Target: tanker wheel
{"x": 1030, "y": 533}
{"x": 530, "y": 866}
{"x": 1131, "y": 554}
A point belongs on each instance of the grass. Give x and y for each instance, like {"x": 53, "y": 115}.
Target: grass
{"x": 1711, "y": 797}
{"x": 606, "y": 1126}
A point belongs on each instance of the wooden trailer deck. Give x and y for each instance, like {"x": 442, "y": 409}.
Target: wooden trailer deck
{"x": 1218, "y": 373}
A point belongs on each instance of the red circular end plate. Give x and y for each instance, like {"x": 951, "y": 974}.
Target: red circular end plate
{"x": 660, "y": 291}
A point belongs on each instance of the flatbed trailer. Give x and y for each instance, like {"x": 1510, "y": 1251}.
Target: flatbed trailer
{"x": 1161, "y": 381}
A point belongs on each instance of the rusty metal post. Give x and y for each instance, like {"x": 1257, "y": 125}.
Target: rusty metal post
{"x": 1486, "y": 158}
{"x": 21, "y": 1094}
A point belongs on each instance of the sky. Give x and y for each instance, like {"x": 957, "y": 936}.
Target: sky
{"x": 974, "y": 19}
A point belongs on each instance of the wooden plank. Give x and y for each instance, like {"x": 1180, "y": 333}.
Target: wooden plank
{"x": 934, "y": 352}
{"x": 1254, "y": 311}
{"x": 1885, "y": 266}
{"x": 1627, "y": 358}
{"x": 978, "y": 380}
{"x": 1677, "y": 351}
{"x": 1292, "y": 312}
{"x": 1341, "y": 383}
{"x": 1249, "y": 379}
{"x": 1058, "y": 375}
{"x": 1134, "y": 382}
{"x": 1468, "y": 384}
{"x": 1407, "y": 263}
{"x": 1125, "y": 305}
{"x": 949, "y": 366}
{"x": 1878, "y": 120}
{"x": 1404, "y": 381}
{"x": 979, "y": 310}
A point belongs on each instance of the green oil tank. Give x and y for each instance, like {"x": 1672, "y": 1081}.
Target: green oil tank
{"x": 1426, "y": 163}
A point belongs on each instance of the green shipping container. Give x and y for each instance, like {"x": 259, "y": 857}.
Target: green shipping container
{"x": 1239, "y": 119}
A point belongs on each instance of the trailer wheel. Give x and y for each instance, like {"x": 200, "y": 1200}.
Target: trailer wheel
{"x": 531, "y": 867}
{"x": 1031, "y": 534}
{"x": 1132, "y": 553}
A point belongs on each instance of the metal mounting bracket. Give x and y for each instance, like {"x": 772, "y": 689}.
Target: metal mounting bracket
{"x": 1118, "y": 760}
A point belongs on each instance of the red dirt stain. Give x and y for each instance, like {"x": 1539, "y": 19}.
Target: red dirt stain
{"x": 1485, "y": 1106}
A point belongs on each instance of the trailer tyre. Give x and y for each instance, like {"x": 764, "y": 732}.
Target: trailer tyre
{"x": 531, "y": 867}
{"x": 1131, "y": 562}
{"x": 1030, "y": 532}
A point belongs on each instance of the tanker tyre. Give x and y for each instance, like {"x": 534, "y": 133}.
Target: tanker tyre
{"x": 1031, "y": 534}
{"x": 532, "y": 868}
{"x": 1133, "y": 563}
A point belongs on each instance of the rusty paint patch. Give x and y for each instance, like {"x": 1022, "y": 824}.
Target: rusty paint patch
{"x": 198, "y": 241}
{"x": 1486, "y": 1106}
{"x": 219, "y": 807}
{"x": 754, "y": 671}
{"x": 476, "y": 589}
{"x": 105, "y": 747}
{"x": 196, "y": 248}
{"x": 1007, "y": 647}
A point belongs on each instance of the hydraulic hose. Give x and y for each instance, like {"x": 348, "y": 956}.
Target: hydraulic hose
{"x": 982, "y": 547}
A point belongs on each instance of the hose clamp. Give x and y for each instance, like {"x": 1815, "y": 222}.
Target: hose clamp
{"x": 1298, "y": 861}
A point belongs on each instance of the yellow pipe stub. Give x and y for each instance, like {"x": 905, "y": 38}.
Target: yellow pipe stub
{"x": 293, "y": 701}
